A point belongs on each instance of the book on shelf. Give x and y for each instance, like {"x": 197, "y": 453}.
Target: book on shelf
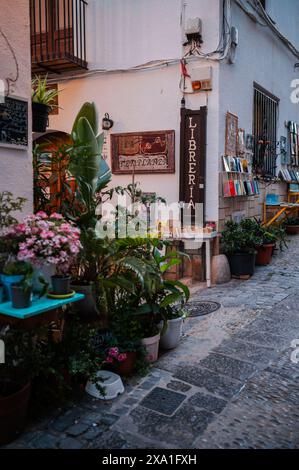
{"x": 235, "y": 164}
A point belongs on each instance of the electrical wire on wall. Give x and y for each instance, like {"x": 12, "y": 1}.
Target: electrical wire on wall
{"x": 268, "y": 22}
{"x": 194, "y": 53}
{"x": 219, "y": 53}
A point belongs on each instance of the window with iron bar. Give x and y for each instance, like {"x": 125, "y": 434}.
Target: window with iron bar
{"x": 265, "y": 115}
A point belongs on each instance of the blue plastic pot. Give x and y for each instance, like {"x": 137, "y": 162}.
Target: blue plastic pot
{"x": 7, "y": 282}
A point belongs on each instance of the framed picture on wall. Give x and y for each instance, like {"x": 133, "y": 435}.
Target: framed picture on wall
{"x": 143, "y": 152}
{"x": 231, "y": 134}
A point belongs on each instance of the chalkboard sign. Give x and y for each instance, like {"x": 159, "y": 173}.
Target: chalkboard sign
{"x": 14, "y": 122}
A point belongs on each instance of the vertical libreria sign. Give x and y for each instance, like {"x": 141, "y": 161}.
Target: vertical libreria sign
{"x": 193, "y": 160}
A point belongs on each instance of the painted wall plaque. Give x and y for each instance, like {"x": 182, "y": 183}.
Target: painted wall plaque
{"x": 14, "y": 123}
{"x": 143, "y": 152}
{"x": 193, "y": 157}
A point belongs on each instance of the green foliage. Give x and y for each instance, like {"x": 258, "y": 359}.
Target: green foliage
{"x": 151, "y": 297}
{"x": 250, "y": 233}
{"x": 41, "y": 93}
{"x": 291, "y": 221}
{"x": 52, "y": 171}
{"x": 91, "y": 172}
{"x": 240, "y": 238}
{"x": 8, "y": 206}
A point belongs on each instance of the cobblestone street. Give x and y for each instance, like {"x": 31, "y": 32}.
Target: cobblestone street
{"x": 230, "y": 384}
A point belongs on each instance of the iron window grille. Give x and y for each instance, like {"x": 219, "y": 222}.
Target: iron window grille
{"x": 265, "y": 115}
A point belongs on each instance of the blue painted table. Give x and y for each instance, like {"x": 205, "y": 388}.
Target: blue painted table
{"x": 47, "y": 307}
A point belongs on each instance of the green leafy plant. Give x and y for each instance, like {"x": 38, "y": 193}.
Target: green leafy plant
{"x": 23, "y": 268}
{"x": 86, "y": 165}
{"x": 41, "y": 93}
{"x": 291, "y": 221}
{"x": 8, "y": 206}
{"x": 240, "y": 238}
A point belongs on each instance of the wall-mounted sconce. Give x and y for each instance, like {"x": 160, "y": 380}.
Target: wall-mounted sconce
{"x": 107, "y": 123}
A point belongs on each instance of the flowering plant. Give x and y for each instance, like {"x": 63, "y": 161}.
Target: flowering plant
{"x": 113, "y": 354}
{"x": 46, "y": 239}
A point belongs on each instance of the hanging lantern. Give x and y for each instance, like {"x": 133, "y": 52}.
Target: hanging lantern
{"x": 107, "y": 123}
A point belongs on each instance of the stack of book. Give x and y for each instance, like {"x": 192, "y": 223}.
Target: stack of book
{"x": 233, "y": 188}
{"x": 235, "y": 164}
{"x": 289, "y": 176}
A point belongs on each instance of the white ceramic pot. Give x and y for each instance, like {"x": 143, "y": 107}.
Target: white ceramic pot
{"x": 171, "y": 338}
{"x": 152, "y": 347}
{"x": 110, "y": 382}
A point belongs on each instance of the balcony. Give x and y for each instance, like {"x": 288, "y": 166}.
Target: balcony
{"x": 58, "y": 35}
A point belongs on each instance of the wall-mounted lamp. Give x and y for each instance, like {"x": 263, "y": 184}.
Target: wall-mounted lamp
{"x": 107, "y": 123}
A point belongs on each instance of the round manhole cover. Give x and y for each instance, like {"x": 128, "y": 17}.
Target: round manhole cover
{"x": 203, "y": 307}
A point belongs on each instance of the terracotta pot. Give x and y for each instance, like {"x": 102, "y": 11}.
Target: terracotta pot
{"x": 152, "y": 347}
{"x": 292, "y": 229}
{"x": 264, "y": 254}
{"x": 13, "y": 406}
{"x": 127, "y": 367}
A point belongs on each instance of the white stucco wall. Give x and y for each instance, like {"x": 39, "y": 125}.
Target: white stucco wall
{"x": 123, "y": 34}
{"x": 263, "y": 59}
{"x": 16, "y": 165}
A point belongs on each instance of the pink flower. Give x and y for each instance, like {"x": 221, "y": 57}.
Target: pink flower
{"x": 55, "y": 215}
{"x": 122, "y": 357}
{"x": 20, "y": 228}
{"x": 42, "y": 215}
{"x": 113, "y": 352}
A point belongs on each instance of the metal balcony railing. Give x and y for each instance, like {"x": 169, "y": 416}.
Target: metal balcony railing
{"x": 58, "y": 35}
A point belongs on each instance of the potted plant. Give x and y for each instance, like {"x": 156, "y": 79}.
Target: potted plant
{"x": 157, "y": 298}
{"x": 291, "y": 225}
{"x": 21, "y": 292}
{"x": 172, "y": 325}
{"x": 14, "y": 272}
{"x": 239, "y": 243}
{"x": 268, "y": 237}
{"x": 43, "y": 99}
{"x": 46, "y": 240}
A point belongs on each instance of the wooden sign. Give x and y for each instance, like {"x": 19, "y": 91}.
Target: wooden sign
{"x": 143, "y": 152}
{"x": 231, "y": 135}
{"x": 14, "y": 123}
{"x": 193, "y": 157}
